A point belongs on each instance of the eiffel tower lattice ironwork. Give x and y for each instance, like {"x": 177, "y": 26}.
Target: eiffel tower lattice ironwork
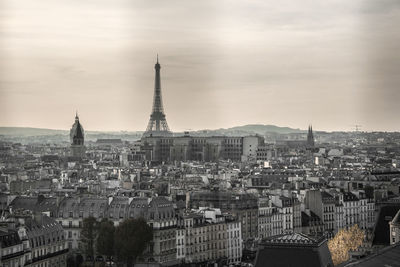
{"x": 158, "y": 125}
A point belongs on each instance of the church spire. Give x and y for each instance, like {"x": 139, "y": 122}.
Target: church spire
{"x": 310, "y": 137}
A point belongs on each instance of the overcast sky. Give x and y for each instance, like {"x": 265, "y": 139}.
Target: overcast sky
{"x": 223, "y": 63}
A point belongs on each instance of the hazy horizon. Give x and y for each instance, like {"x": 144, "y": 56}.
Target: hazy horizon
{"x": 99, "y": 130}
{"x": 225, "y": 63}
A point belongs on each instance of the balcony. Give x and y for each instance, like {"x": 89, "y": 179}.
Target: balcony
{"x": 13, "y": 255}
{"x": 47, "y": 256}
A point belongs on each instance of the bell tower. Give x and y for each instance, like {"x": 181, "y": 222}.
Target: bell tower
{"x": 77, "y": 138}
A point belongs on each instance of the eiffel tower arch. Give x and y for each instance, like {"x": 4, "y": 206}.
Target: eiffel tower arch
{"x": 157, "y": 125}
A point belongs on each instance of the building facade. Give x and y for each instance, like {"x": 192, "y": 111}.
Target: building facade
{"x": 204, "y": 149}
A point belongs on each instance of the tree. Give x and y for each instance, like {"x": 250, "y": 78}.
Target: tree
{"x": 71, "y": 261}
{"x": 131, "y": 239}
{"x": 105, "y": 238}
{"x": 78, "y": 260}
{"x": 345, "y": 240}
{"x": 88, "y": 236}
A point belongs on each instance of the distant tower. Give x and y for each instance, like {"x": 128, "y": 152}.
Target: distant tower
{"x": 157, "y": 124}
{"x": 310, "y": 137}
{"x": 77, "y": 137}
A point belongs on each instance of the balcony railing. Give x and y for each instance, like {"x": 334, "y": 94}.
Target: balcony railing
{"x": 48, "y": 255}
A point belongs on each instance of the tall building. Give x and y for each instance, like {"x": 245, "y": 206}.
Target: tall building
{"x": 323, "y": 205}
{"x": 310, "y": 137}
{"x": 206, "y": 235}
{"x": 158, "y": 125}
{"x": 77, "y": 137}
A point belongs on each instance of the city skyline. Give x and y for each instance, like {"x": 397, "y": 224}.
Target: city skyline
{"x": 332, "y": 64}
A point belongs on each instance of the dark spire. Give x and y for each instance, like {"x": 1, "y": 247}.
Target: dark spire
{"x": 310, "y": 137}
{"x": 157, "y": 67}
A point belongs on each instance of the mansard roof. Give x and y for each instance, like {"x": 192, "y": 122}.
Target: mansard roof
{"x": 294, "y": 239}
{"x": 34, "y": 203}
{"x": 86, "y": 205}
{"x": 297, "y": 250}
{"x": 348, "y": 196}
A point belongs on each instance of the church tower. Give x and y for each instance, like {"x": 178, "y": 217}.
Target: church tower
{"x": 158, "y": 125}
{"x": 310, "y": 137}
{"x": 77, "y": 138}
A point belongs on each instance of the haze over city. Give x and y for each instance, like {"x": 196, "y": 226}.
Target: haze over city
{"x": 226, "y": 63}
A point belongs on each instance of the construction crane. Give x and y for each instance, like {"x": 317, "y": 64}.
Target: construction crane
{"x": 356, "y": 127}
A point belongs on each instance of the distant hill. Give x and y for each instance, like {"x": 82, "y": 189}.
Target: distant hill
{"x": 27, "y": 131}
{"x": 262, "y": 129}
{"x": 250, "y": 129}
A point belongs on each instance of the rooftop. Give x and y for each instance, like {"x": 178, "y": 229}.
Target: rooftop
{"x": 387, "y": 257}
{"x": 294, "y": 239}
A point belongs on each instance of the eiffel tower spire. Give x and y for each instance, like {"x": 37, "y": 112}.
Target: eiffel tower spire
{"x": 158, "y": 125}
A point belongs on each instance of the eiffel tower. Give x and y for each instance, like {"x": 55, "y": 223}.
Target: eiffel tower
{"x": 158, "y": 125}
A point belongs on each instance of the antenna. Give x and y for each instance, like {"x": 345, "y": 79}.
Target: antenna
{"x": 356, "y": 127}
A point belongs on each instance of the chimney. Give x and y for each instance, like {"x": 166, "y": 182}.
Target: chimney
{"x": 38, "y": 217}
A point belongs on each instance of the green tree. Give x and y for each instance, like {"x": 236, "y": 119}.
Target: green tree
{"x": 105, "y": 238}
{"x": 88, "y": 236}
{"x": 131, "y": 239}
